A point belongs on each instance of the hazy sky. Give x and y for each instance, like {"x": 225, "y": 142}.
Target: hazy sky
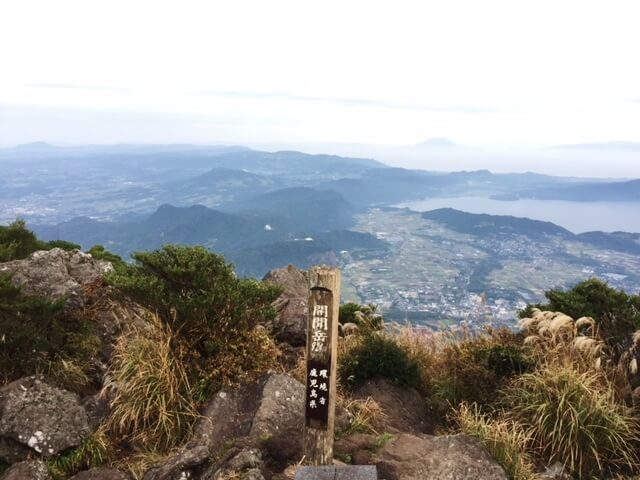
{"x": 484, "y": 73}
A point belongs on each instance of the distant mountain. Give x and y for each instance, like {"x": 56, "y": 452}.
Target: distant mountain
{"x": 620, "y": 241}
{"x": 483, "y": 225}
{"x": 628, "y": 191}
{"x": 298, "y": 210}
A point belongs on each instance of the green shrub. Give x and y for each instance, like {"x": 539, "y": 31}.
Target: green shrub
{"x": 366, "y": 317}
{"x": 100, "y": 253}
{"x": 36, "y": 335}
{"x": 63, "y": 244}
{"x": 379, "y": 356}
{"x": 573, "y": 417}
{"x": 211, "y": 312}
{"x": 617, "y": 314}
{"x": 16, "y": 241}
{"x": 472, "y": 370}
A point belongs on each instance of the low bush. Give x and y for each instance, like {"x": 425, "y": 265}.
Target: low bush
{"x": 472, "y": 369}
{"x": 617, "y": 314}
{"x": 379, "y": 356}
{"x": 573, "y": 417}
{"x": 210, "y": 312}
{"x": 100, "y": 253}
{"x": 38, "y": 338}
{"x": 366, "y": 317}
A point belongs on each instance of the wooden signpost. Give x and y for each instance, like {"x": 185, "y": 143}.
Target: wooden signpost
{"x": 322, "y": 338}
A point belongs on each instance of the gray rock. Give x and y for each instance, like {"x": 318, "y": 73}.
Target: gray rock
{"x": 268, "y": 410}
{"x": 100, "y": 473}
{"x": 291, "y": 322}
{"x": 38, "y": 418}
{"x": 281, "y": 406}
{"x": 56, "y": 273}
{"x": 331, "y": 472}
{"x": 29, "y": 470}
{"x": 425, "y": 457}
{"x": 247, "y": 464}
{"x": 557, "y": 471}
{"x": 405, "y": 409}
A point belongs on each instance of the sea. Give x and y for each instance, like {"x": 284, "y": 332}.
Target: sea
{"x": 577, "y": 217}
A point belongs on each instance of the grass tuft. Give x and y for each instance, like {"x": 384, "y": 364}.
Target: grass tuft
{"x": 152, "y": 405}
{"x": 573, "y": 417}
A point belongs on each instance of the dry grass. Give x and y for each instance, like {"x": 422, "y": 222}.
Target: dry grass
{"x": 574, "y": 417}
{"x": 366, "y": 416}
{"x": 506, "y": 441}
{"x": 152, "y": 405}
{"x": 140, "y": 463}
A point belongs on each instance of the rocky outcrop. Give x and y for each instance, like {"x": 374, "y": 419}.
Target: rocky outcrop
{"x": 36, "y": 418}
{"x": 56, "y": 273}
{"x": 251, "y": 414}
{"x": 425, "y": 457}
{"x": 247, "y": 464}
{"x": 405, "y": 409}
{"x": 291, "y": 305}
{"x": 100, "y": 473}
{"x": 28, "y": 470}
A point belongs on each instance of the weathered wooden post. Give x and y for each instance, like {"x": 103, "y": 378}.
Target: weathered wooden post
{"x": 322, "y": 343}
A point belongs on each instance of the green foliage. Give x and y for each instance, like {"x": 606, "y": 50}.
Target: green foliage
{"x": 63, "y": 244}
{"x": 472, "y": 370}
{"x": 36, "y": 335}
{"x": 617, "y": 314}
{"x": 347, "y": 312}
{"x": 100, "y": 253}
{"x": 94, "y": 451}
{"x": 211, "y": 312}
{"x": 16, "y": 241}
{"x": 379, "y": 356}
{"x": 366, "y": 317}
{"x": 574, "y": 417}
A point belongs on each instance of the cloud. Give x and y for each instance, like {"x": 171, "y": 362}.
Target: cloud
{"x": 350, "y": 102}
{"x": 69, "y": 86}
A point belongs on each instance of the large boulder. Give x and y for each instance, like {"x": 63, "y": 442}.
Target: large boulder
{"x": 28, "y": 470}
{"x": 271, "y": 409}
{"x": 425, "y": 457}
{"x": 36, "y": 417}
{"x": 291, "y": 322}
{"x": 56, "y": 273}
{"x": 405, "y": 409}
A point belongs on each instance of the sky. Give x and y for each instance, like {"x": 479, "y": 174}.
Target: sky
{"x": 496, "y": 75}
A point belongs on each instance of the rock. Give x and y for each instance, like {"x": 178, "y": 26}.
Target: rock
{"x": 100, "y": 473}
{"x": 56, "y": 273}
{"x": 358, "y": 448}
{"x": 36, "y": 417}
{"x": 405, "y": 409}
{"x": 291, "y": 322}
{"x": 426, "y": 457}
{"x": 29, "y": 470}
{"x": 267, "y": 410}
{"x": 556, "y": 471}
{"x": 246, "y": 464}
